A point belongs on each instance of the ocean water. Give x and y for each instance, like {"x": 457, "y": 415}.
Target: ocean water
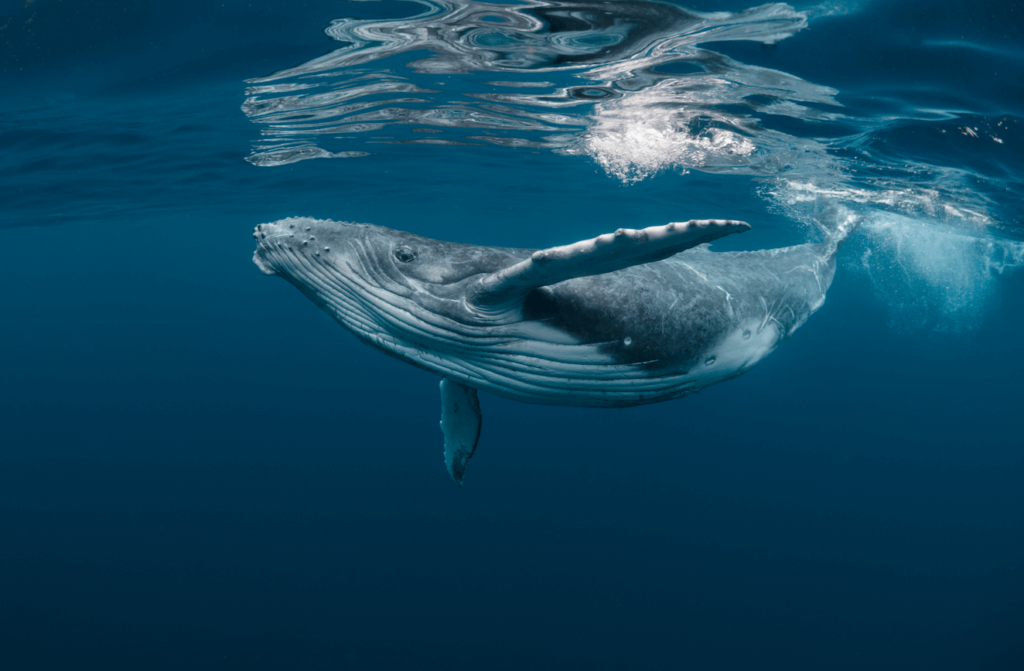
{"x": 199, "y": 469}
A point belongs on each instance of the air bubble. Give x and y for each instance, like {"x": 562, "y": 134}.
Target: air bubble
{"x": 710, "y": 360}
{"x": 746, "y": 334}
{"x": 627, "y": 341}
{"x": 327, "y": 249}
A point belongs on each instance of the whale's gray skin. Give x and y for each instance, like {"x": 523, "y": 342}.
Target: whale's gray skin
{"x": 624, "y": 319}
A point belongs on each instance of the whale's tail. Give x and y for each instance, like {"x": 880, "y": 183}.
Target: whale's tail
{"x": 842, "y": 224}
{"x": 848, "y": 223}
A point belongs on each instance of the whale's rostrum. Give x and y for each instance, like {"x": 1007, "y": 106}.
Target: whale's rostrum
{"x": 626, "y": 318}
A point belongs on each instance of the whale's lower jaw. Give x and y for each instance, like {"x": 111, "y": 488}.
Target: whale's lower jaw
{"x": 262, "y": 264}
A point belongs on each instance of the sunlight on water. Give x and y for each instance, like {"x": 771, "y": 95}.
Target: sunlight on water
{"x": 627, "y": 85}
{"x": 633, "y": 147}
{"x": 608, "y": 60}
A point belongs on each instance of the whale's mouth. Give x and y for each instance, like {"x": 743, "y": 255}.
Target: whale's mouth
{"x": 260, "y": 234}
{"x": 265, "y": 267}
{"x": 286, "y": 245}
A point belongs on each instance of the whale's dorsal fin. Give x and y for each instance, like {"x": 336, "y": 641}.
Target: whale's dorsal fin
{"x": 612, "y": 251}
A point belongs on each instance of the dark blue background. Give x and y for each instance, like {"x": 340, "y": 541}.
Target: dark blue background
{"x": 198, "y": 469}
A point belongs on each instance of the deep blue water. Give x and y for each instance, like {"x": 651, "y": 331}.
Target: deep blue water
{"x": 199, "y": 469}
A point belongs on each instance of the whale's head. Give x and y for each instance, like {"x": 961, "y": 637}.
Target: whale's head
{"x": 378, "y": 282}
{"x": 321, "y": 256}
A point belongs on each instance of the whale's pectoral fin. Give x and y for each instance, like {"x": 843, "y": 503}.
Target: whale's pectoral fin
{"x": 460, "y": 422}
{"x": 612, "y": 251}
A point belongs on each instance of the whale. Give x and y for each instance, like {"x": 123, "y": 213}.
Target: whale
{"x": 626, "y": 318}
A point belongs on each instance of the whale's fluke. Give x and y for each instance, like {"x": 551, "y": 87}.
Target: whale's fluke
{"x": 604, "y": 254}
{"x": 460, "y": 422}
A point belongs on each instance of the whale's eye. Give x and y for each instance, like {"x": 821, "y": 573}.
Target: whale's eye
{"x": 404, "y": 254}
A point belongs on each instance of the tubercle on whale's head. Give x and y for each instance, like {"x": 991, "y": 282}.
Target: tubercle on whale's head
{"x": 348, "y": 270}
{"x": 310, "y": 252}
{"x": 382, "y": 257}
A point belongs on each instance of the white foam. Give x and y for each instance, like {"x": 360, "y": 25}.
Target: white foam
{"x": 931, "y": 260}
{"x": 635, "y": 138}
{"x": 904, "y": 198}
{"x": 931, "y": 276}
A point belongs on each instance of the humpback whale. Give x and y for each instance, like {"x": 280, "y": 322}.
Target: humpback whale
{"x": 626, "y": 318}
